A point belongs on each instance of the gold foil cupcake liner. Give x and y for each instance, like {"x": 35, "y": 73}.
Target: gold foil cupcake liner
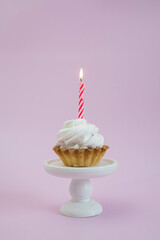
{"x": 84, "y": 157}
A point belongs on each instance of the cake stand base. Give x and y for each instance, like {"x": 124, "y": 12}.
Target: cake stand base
{"x": 81, "y": 208}
{"x": 81, "y": 205}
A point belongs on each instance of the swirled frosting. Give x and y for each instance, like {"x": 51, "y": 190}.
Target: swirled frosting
{"x": 79, "y": 134}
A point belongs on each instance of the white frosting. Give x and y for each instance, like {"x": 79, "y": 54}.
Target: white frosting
{"x": 79, "y": 134}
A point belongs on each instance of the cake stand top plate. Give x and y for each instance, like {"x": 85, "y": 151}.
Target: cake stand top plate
{"x": 57, "y": 168}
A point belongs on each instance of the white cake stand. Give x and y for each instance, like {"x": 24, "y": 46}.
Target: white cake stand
{"x": 80, "y": 188}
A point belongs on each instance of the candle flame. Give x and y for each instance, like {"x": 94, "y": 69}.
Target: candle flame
{"x": 81, "y": 74}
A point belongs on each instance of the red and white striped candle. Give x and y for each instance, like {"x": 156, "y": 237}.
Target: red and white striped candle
{"x": 81, "y": 96}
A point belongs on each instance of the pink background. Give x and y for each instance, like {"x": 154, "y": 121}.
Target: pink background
{"x": 43, "y": 44}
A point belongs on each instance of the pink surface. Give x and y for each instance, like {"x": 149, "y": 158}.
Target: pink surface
{"x": 43, "y": 44}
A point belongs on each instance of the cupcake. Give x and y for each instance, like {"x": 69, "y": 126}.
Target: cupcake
{"x": 79, "y": 144}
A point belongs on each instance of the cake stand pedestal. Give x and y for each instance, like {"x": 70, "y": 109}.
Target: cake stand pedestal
{"x": 80, "y": 187}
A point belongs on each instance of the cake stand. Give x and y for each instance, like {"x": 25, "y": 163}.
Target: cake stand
{"x": 80, "y": 188}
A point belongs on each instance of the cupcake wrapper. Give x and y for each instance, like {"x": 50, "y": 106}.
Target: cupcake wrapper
{"x": 84, "y": 157}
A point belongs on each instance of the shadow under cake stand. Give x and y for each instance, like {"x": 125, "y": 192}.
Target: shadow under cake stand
{"x": 80, "y": 187}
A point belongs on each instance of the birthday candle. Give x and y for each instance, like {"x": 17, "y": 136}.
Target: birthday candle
{"x": 81, "y": 96}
